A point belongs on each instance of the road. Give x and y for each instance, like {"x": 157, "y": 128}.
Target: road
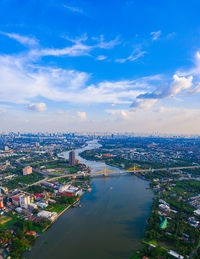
{"x": 38, "y": 182}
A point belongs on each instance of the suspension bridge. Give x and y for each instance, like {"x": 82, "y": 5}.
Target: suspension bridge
{"x": 107, "y": 172}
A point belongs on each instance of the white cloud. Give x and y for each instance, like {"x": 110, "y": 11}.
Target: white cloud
{"x": 39, "y": 107}
{"x": 82, "y": 115}
{"x": 102, "y": 44}
{"x": 73, "y": 9}
{"x": 101, "y": 57}
{"x": 27, "y": 41}
{"x": 76, "y": 40}
{"x": 195, "y": 70}
{"x": 156, "y": 34}
{"x": 119, "y": 114}
{"x": 178, "y": 85}
{"x": 22, "y": 82}
{"x": 79, "y": 47}
{"x": 195, "y": 90}
{"x": 136, "y": 54}
{"x": 143, "y": 103}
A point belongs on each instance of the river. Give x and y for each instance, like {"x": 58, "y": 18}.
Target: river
{"x": 109, "y": 225}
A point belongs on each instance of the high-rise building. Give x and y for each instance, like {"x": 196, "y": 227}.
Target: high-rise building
{"x": 72, "y": 158}
{"x": 27, "y": 170}
{"x": 24, "y": 201}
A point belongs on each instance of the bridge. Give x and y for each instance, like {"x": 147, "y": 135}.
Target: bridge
{"x": 108, "y": 172}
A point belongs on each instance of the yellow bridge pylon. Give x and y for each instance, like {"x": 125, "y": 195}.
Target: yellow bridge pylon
{"x": 106, "y": 171}
{"x": 133, "y": 169}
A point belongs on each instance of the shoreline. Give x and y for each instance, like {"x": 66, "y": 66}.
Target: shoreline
{"x": 65, "y": 209}
{"x": 60, "y": 214}
{"x": 52, "y": 222}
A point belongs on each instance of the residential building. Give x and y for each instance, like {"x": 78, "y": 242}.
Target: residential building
{"x": 24, "y": 201}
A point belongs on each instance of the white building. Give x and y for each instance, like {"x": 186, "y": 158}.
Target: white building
{"x": 176, "y": 255}
{"x": 197, "y": 212}
{"x": 19, "y": 210}
{"x": 47, "y": 215}
{"x": 24, "y": 201}
{"x": 63, "y": 188}
{"x": 41, "y": 205}
{"x": 164, "y": 207}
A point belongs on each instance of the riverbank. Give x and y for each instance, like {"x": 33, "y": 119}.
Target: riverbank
{"x": 63, "y": 211}
{"x": 174, "y": 226}
{"x": 51, "y": 224}
{"x": 69, "y": 206}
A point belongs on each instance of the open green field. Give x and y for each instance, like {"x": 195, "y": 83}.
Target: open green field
{"x": 57, "y": 208}
{"x": 4, "y": 220}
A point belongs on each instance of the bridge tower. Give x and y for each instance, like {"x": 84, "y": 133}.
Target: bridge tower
{"x": 105, "y": 171}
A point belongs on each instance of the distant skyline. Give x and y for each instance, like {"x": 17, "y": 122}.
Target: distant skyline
{"x": 100, "y": 66}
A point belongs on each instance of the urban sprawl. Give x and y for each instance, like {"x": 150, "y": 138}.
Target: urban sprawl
{"x": 38, "y": 183}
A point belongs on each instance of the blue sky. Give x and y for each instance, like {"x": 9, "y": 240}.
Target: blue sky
{"x": 100, "y": 66}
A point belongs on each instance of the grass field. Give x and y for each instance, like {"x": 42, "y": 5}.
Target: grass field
{"x": 57, "y": 208}
{"x": 4, "y": 220}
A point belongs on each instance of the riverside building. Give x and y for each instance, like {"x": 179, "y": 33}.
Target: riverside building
{"x": 72, "y": 160}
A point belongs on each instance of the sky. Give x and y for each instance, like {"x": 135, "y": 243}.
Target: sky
{"x": 115, "y": 65}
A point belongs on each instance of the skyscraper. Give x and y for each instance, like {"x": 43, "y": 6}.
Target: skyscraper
{"x": 72, "y": 158}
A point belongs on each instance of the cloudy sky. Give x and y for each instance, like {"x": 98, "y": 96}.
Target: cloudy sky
{"x": 117, "y": 65}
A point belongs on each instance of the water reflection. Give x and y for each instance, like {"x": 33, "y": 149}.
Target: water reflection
{"x": 109, "y": 225}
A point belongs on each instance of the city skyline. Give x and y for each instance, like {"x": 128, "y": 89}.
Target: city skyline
{"x": 98, "y": 66}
